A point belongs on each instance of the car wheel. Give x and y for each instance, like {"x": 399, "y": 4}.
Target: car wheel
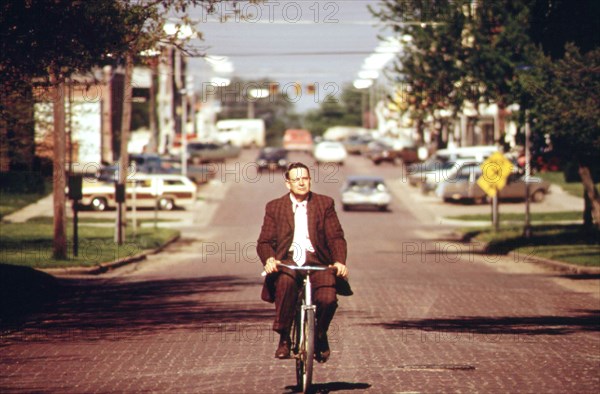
{"x": 99, "y": 204}
{"x": 346, "y": 207}
{"x": 383, "y": 208}
{"x": 538, "y": 196}
{"x": 166, "y": 204}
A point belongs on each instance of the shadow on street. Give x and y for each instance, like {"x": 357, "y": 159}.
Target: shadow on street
{"x": 96, "y": 309}
{"x": 581, "y": 321}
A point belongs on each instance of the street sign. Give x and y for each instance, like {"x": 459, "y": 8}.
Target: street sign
{"x": 494, "y": 172}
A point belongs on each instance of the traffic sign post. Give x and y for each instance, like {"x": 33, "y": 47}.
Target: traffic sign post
{"x": 494, "y": 173}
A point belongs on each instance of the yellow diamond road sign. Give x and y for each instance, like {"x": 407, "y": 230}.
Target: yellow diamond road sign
{"x": 494, "y": 172}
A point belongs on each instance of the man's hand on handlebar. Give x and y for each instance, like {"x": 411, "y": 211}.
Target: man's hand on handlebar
{"x": 271, "y": 265}
{"x": 342, "y": 270}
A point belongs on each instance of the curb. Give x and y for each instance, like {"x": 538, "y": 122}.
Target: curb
{"x": 102, "y": 268}
{"x": 541, "y": 261}
{"x": 560, "y": 266}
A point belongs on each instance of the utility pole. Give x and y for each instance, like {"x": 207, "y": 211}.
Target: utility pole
{"x": 527, "y": 228}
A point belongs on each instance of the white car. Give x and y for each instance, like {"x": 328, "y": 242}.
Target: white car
{"x": 330, "y": 152}
{"x": 362, "y": 190}
{"x": 144, "y": 190}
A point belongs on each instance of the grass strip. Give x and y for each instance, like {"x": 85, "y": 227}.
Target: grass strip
{"x": 558, "y": 178}
{"x": 30, "y": 245}
{"x": 84, "y": 220}
{"x": 566, "y": 243}
{"x": 536, "y": 217}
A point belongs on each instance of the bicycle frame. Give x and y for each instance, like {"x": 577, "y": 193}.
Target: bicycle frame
{"x": 303, "y": 332}
{"x": 303, "y": 336}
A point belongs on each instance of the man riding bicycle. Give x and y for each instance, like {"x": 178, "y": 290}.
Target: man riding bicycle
{"x": 301, "y": 228}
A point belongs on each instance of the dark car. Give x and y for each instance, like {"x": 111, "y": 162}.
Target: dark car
{"x": 205, "y": 152}
{"x": 379, "y": 151}
{"x": 272, "y": 158}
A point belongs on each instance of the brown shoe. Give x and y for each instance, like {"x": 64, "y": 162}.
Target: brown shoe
{"x": 322, "y": 351}
{"x": 283, "y": 350}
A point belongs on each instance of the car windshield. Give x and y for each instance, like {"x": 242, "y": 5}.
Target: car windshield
{"x": 272, "y": 152}
{"x": 367, "y": 185}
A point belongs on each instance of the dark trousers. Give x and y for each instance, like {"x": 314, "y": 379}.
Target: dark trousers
{"x": 286, "y": 296}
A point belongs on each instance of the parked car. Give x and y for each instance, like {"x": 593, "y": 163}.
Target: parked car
{"x": 272, "y": 158}
{"x": 379, "y": 152}
{"x": 444, "y": 159}
{"x": 464, "y": 187}
{"x": 199, "y": 173}
{"x": 155, "y": 164}
{"x": 298, "y": 140}
{"x": 205, "y": 152}
{"x": 365, "y": 191}
{"x": 406, "y": 149}
{"x": 438, "y": 172}
{"x": 330, "y": 152}
{"x": 142, "y": 190}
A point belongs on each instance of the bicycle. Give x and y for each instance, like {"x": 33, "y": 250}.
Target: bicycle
{"x": 303, "y": 328}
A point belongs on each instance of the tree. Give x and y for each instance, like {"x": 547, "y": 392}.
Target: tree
{"x": 428, "y": 69}
{"x": 565, "y": 102}
{"x": 50, "y": 40}
{"x": 458, "y": 51}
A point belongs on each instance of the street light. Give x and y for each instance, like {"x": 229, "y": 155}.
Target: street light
{"x": 254, "y": 95}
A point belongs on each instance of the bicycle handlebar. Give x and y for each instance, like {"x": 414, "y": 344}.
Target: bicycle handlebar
{"x": 305, "y": 268}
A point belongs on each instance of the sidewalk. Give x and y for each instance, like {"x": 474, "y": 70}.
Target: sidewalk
{"x": 43, "y": 207}
{"x": 432, "y": 210}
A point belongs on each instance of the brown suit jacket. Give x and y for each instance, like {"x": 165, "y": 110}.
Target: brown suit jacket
{"x": 277, "y": 233}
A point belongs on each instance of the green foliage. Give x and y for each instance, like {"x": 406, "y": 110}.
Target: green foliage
{"x": 346, "y": 111}
{"x": 457, "y": 51}
{"x": 65, "y": 36}
{"x": 566, "y": 104}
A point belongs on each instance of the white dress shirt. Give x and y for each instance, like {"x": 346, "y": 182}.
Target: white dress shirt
{"x": 301, "y": 243}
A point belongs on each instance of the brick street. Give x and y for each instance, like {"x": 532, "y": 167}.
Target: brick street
{"x": 429, "y": 314}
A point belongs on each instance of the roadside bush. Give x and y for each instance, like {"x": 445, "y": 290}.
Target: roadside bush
{"x": 29, "y": 182}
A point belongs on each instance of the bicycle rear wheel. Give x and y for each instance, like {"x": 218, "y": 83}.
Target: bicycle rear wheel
{"x": 306, "y": 351}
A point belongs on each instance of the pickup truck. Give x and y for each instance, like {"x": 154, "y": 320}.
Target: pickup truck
{"x": 142, "y": 190}
{"x": 155, "y": 164}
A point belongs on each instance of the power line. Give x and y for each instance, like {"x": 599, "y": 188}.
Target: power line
{"x": 295, "y": 53}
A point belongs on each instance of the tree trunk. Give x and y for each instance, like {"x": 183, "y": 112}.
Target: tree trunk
{"x": 106, "y": 145}
{"x": 591, "y": 196}
{"x": 59, "y": 247}
{"x": 124, "y": 155}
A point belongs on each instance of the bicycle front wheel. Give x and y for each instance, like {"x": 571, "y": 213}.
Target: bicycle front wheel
{"x": 306, "y": 352}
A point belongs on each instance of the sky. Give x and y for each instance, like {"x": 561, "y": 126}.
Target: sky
{"x": 307, "y": 41}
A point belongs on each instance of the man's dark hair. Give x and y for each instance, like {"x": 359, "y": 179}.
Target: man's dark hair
{"x": 293, "y": 165}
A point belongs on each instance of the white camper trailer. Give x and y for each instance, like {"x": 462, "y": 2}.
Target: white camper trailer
{"x": 241, "y": 132}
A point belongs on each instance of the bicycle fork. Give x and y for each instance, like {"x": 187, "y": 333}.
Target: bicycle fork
{"x": 306, "y": 305}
